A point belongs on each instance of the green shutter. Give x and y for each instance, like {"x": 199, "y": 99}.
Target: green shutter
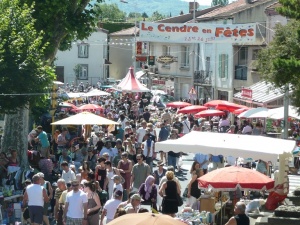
{"x": 226, "y": 65}
{"x": 220, "y": 66}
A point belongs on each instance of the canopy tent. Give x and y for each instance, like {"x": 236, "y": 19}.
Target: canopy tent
{"x": 131, "y": 84}
{"x": 245, "y": 146}
{"x": 95, "y": 92}
{"x": 75, "y": 94}
{"x": 85, "y": 118}
{"x": 278, "y": 113}
{"x": 260, "y": 112}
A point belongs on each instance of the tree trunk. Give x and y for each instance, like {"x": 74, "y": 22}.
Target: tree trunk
{"x": 15, "y": 135}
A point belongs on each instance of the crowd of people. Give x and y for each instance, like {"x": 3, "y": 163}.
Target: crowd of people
{"x": 116, "y": 170}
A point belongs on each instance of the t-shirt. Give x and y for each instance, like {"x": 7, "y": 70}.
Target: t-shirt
{"x": 140, "y": 173}
{"x": 163, "y": 134}
{"x": 58, "y": 193}
{"x": 44, "y": 139}
{"x": 63, "y": 196}
{"x": 76, "y": 201}
{"x": 148, "y": 143}
{"x": 141, "y": 133}
{"x": 117, "y": 187}
{"x": 68, "y": 176}
{"x": 111, "y": 208}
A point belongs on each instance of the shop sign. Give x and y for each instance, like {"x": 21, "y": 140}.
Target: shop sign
{"x": 151, "y": 60}
{"x": 197, "y": 32}
{"x": 246, "y": 93}
{"x": 158, "y": 82}
{"x": 139, "y": 47}
{"x": 166, "y": 59}
{"x": 141, "y": 58}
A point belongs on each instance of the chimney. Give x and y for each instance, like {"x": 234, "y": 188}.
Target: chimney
{"x": 191, "y": 6}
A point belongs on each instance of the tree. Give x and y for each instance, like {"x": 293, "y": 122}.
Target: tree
{"x": 24, "y": 73}
{"x": 279, "y": 62}
{"x": 144, "y": 15}
{"x": 109, "y": 12}
{"x": 157, "y": 16}
{"x": 59, "y": 22}
{"x": 133, "y": 15}
{"x": 219, "y": 2}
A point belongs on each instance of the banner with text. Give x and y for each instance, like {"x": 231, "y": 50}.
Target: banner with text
{"x": 197, "y": 32}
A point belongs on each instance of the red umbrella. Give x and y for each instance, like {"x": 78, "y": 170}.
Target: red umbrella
{"x": 92, "y": 107}
{"x": 178, "y": 104}
{"x": 229, "y": 178}
{"x": 209, "y": 112}
{"x": 67, "y": 105}
{"x": 214, "y": 103}
{"x": 192, "y": 109}
{"x": 239, "y": 111}
{"x": 229, "y": 106}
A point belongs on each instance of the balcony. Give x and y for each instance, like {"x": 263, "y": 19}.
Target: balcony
{"x": 202, "y": 77}
{"x": 241, "y": 72}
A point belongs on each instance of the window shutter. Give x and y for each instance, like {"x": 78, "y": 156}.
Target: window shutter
{"x": 226, "y": 65}
{"x": 220, "y": 66}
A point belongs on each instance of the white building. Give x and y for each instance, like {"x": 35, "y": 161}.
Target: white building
{"x": 224, "y": 69}
{"x": 90, "y": 54}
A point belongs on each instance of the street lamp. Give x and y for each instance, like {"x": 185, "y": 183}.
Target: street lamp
{"x": 134, "y": 41}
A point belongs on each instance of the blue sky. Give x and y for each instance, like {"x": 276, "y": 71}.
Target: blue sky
{"x": 203, "y": 2}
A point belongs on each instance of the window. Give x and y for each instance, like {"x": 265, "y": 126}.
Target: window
{"x": 255, "y": 53}
{"x": 83, "y": 73}
{"x": 166, "y": 50}
{"x": 207, "y": 66}
{"x": 240, "y": 72}
{"x": 243, "y": 56}
{"x": 185, "y": 56}
{"x": 223, "y": 66}
{"x": 83, "y": 51}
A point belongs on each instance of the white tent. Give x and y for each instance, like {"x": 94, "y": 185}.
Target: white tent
{"x": 278, "y": 113}
{"x": 95, "y": 92}
{"x": 245, "y": 146}
{"x": 260, "y": 112}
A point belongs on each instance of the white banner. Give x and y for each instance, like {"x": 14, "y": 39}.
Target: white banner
{"x": 197, "y": 32}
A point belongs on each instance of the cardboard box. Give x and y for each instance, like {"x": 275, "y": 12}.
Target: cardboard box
{"x": 207, "y": 204}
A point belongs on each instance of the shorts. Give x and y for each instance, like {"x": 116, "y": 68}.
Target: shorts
{"x": 36, "y": 214}
{"x": 46, "y": 206}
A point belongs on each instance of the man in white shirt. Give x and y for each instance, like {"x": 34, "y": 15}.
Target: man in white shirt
{"x": 35, "y": 195}
{"x": 110, "y": 207}
{"x": 186, "y": 125}
{"x": 68, "y": 175}
{"x": 108, "y": 149}
{"x": 141, "y": 132}
{"x": 247, "y": 129}
{"x": 75, "y": 211}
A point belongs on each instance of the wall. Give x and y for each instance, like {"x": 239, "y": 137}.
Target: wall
{"x": 97, "y": 51}
{"x": 272, "y": 20}
{"x": 120, "y": 55}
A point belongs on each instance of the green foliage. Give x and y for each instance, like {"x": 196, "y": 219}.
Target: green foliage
{"x": 134, "y": 15}
{"x": 279, "y": 63}
{"x": 62, "y": 21}
{"x": 113, "y": 27}
{"x": 157, "y": 16}
{"x": 109, "y": 12}
{"x": 290, "y": 8}
{"x": 219, "y": 2}
{"x": 23, "y": 70}
{"x": 144, "y": 15}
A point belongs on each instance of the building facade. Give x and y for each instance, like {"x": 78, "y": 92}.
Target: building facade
{"x": 88, "y": 57}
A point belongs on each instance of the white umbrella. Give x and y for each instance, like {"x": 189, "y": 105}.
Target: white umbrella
{"x": 255, "y": 113}
{"x": 85, "y": 118}
{"x": 95, "y": 92}
{"x": 75, "y": 94}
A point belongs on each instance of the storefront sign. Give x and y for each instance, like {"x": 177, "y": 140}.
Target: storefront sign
{"x": 166, "y": 59}
{"x": 158, "y": 82}
{"x": 197, "y": 32}
{"x": 246, "y": 93}
{"x": 151, "y": 60}
{"x": 139, "y": 46}
{"x": 141, "y": 58}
